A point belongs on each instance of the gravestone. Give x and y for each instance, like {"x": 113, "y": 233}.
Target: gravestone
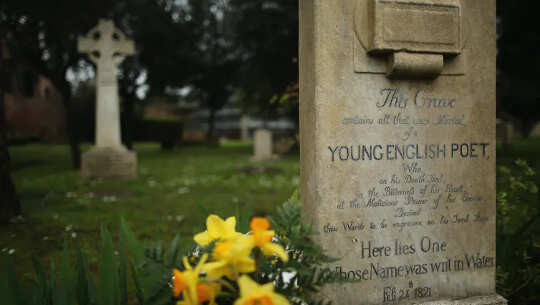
{"x": 262, "y": 146}
{"x": 536, "y": 130}
{"x": 107, "y": 47}
{"x": 397, "y": 124}
{"x": 505, "y": 132}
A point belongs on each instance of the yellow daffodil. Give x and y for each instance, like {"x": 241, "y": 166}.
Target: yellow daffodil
{"x": 217, "y": 229}
{"x": 252, "y": 293}
{"x": 262, "y": 238}
{"x": 231, "y": 257}
{"x": 187, "y": 283}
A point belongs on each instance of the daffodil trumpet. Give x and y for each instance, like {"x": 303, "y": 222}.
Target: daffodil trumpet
{"x": 262, "y": 238}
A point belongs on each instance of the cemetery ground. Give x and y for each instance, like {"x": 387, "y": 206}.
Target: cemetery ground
{"x": 173, "y": 194}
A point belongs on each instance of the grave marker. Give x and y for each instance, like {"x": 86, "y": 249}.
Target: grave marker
{"x": 107, "y": 47}
{"x": 262, "y": 146}
{"x": 397, "y": 126}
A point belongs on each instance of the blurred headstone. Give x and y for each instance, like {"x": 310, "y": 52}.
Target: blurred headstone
{"x": 262, "y": 146}
{"x": 536, "y": 130}
{"x": 107, "y": 47}
{"x": 505, "y": 133}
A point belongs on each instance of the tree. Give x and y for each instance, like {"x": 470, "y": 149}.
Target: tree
{"x": 45, "y": 35}
{"x": 217, "y": 58}
{"x": 267, "y": 36}
{"x": 518, "y": 62}
{"x": 9, "y": 205}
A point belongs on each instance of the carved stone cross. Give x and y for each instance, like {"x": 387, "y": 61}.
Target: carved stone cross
{"x": 107, "y": 47}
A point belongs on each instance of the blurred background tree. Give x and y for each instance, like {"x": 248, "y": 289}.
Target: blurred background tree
{"x": 518, "y": 63}
{"x": 267, "y": 37}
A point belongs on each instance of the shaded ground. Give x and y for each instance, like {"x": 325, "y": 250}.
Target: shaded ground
{"x": 173, "y": 194}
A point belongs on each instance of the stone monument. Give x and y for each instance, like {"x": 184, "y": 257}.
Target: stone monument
{"x": 107, "y": 47}
{"x": 262, "y": 146}
{"x": 397, "y": 123}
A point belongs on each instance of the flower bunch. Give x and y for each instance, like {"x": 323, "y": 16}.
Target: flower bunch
{"x": 226, "y": 269}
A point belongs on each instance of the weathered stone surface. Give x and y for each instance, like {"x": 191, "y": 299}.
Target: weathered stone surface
{"x": 482, "y": 300}
{"x": 398, "y": 175}
{"x": 406, "y": 65}
{"x": 106, "y": 162}
{"x": 262, "y": 146}
{"x": 107, "y": 47}
{"x": 422, "y": 27}
{"x": 413, "y": 25}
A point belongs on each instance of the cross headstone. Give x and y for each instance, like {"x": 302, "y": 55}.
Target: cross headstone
{"x": 262, "y": 146}
{"x": 397, "y": 126}
{"x": 107, "y": 47}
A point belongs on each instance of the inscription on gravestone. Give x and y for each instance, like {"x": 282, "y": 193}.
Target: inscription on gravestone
{"x": 397, "y": 125}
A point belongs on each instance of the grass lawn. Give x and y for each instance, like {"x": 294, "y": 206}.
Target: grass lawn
{"x": 173, "y": 194}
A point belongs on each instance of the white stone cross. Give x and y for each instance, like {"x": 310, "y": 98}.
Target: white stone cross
{"x": 107, "y": 47}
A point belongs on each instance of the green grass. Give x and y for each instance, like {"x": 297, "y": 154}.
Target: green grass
{"x": 173, "y": 194}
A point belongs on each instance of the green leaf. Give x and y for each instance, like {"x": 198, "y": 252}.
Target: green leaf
{"x": 138, "y": 290}
{"x": 43, "y": 290}
{"x": 64, "y": 285}
{"x": 82, "y": 283}
{"x": 134, "y": 247}
{"x": 10, "y": 290}
{"x": 172, "y": 252}
{"x": 108, "y": 278}
{"x": 243, "y": 216}
{"x": 122, "y": 271}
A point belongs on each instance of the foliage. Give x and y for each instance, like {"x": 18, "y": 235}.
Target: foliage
{"x": 518, "y": 41}
{"x": 150, "y": 266}
{"x": 518, "y": 242}
{"x": 266, "y": 34}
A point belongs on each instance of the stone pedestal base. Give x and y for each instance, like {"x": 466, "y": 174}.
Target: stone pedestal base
{"x": 482, "y": 300}
{"x": 106, "y": 162}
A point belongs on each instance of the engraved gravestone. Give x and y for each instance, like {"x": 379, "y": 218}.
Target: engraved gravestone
{"x": 107, "y": 47}
{"x": 397, "y": 127}
{"x": 262, "y": 146}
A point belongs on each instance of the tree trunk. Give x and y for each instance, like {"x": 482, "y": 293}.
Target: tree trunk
{"x": 128, "y": 120}
{"x": 72, "y": 129}
{"x": 211, "y": 125}
{"x": 9, "y": 202}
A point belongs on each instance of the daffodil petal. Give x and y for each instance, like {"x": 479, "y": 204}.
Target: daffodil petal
{"x": 268, "y": 287}
{"x": 278, "y": 299}
{"x": 247, "y": 285}
{"x": 244, "y": 244}
{"x": 275, "y": 249}
{"x": 215, "y": 226}
{"x": 231, "y": 223}
{"x": 216, "y": 270}
{"x": 245, "y": 265}
{"x": 202, "y": 239}
{"x": 240, "y": 301}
